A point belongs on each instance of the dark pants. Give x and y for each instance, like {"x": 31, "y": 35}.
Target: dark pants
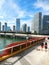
{"x": 45, "y": 46}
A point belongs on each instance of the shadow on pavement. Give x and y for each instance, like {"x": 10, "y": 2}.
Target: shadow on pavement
{"x": 22, "y": 54}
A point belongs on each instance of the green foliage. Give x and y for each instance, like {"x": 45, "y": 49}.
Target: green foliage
{"x": 35, "y": 32}
{"x": 48, "y": 26}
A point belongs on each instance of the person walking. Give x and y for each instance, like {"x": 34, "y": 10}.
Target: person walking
{"x": 45, "y": 45}
{"x": 42, "y": 45}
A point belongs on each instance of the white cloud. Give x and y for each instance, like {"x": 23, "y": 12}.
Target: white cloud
{"x": 1, "y": 3}
{"x": 1, "y": 17}
{"x": 19, "y": 12}
{"x": 2, "y": 12}
{"x": 14, "y": 6}
{"x": 42, "y": 4}
{"x": 9, "y": 6}
{"x": 30, "y": 15}
{"x": 6, "y": 7}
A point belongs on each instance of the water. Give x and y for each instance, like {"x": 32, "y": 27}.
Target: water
{"x": 6, "y": 41}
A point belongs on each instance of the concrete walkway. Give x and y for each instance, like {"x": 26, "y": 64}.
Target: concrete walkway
{"x": 33, "y": 56}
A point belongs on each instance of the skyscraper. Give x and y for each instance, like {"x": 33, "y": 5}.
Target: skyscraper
{"x": 38, "y": 22}
{"x": 24, "y": 28}
{"x": 46, "y": 24}
{"x": 5, "y": 26}
{"x": 32, "y": 26}
{"x": 0, "y": 26}
{"x": 8, "y": 28}
{"x": 28, "y": 30}
{"x": 13, "y": 27}
{"x": 18, "y": 25}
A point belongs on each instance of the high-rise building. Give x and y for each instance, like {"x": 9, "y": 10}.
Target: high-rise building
{"x": 5, "y": 26}
{"x": 46, "y": 24}
{"x": 32, "y": 26}
{"x": 8, "y": 28}
{"x": 13, "y": 27}
{"x": 0, "y": 26}
{"x": 18, "y": 25}
{"x": 24, "y": 28}
{"x": 38, "y": 22}
{"x": 28, "y": 30}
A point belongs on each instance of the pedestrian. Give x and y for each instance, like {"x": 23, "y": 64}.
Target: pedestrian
{"x": 42, "y": 45}
{"x": 45, "y": 45}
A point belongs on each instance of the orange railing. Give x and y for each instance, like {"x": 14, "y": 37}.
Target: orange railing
{"x": 17, "y": 47}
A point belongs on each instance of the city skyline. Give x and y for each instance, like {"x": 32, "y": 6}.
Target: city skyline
{"x": 38, "y": 24}
{"x": 15, "y": 28}
{"x": 23, "y": 9}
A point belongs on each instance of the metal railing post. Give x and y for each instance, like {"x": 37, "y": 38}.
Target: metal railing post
{"x": 12, "y": 50}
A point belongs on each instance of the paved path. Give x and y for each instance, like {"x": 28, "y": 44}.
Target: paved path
{"x": 32, "y": 56}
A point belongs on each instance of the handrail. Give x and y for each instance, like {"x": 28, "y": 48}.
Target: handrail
{"x": 11, "y": 47}
{"x": 14, "y": 46}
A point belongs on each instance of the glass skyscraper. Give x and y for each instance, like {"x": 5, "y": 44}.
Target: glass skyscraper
{"x": 45, "y": 24}
{"x": 13, "y": 27}
{"x": 18, "y": 25}
{"x": 5, "y": 26}
{"x": 8, "y": 28}
{"x": 28, "y": 30}
{"x": 24, "y": 27}
{"x": 2, "y": 27}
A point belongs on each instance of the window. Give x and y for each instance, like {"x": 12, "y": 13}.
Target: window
{"x": 31, "y": 42}
{"x": 28, "y": 44}
{"x": 16, "y": 48}
{"x": 23, "y": 46}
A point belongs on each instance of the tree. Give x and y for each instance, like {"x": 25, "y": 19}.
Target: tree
{"x": 48, "y": 26}
{"x": 35, "y": 32}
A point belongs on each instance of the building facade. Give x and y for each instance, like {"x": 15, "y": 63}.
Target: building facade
{"x": 28, "y": 30}
{"x": 38, "y": 23}
{"x": 8, "y": 28}
{"x": 13, "y": 27}
{"x": 46, "y": 24}
{"x": 24, "y": 28}
{"x": 5, "y": 26}
{"x": 32, "y": 26}
{"x": 18, "y": 25}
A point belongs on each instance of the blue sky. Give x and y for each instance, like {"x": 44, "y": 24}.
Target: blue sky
{"x": 23, "y": 9}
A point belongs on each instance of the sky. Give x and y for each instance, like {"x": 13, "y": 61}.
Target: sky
{"x": 10, "y": 10}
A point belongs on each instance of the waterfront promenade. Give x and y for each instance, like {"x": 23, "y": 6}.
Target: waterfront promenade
{"x": 33, "y": 56}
